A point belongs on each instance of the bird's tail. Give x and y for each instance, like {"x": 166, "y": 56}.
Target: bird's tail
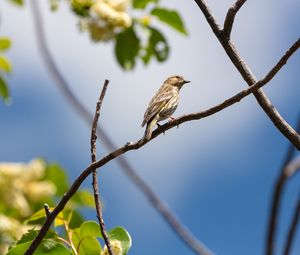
{"x": 148, "y": 131}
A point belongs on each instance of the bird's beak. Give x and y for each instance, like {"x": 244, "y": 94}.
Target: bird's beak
{"x": 187, "y": 81}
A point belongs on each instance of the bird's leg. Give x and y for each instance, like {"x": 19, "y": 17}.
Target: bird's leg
{"x": 172, "y": 118}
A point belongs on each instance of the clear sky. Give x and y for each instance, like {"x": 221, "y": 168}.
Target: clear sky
{"x": 216, "y": 174}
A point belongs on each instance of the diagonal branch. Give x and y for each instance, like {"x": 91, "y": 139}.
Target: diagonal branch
{"x": 136, "y": 145}
{"x": 277, "y": 197}
{"x": 95, "y": 178}
{"x": 178, "y": 227}
{"x": 247, "y": 75}
{"x": 228, "y": 23}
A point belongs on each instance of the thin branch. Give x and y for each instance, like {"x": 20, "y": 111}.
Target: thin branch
{"x": 248, "y": 76}
{"x": 228, "y": 23}
{"x": 95, "y": 178}
{"x": 136, "y": 145}
{"x": 292, "y": 229}
{"x": 276, "y": 200}
{"x": 183, "y": 233}
{"x": 277, "y": 197}
{"x": 69, "y": 236}
{"x": 95, "y": 121}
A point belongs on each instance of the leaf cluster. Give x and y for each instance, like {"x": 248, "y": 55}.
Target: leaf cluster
{"x": 142, "y": 40}
{"x": 83, "y": 239}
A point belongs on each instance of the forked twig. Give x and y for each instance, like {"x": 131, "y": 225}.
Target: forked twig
{"x": 249, "y": 77}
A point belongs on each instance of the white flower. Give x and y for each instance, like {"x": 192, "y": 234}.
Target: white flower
{"x": 110, "y": 13}
{"x": 115, "y": 246}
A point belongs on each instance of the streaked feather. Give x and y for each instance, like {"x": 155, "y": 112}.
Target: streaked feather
{"x": 163, "y": 104}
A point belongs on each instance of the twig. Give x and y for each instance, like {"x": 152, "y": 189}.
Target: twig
{"x": 231, "y": 16}
{"x": 248, "y": 76}
{"x": 47, "y": 209}
{"x": 69, "y": 236}
{"x": 292, "y": 229}
{"x": 287, "y": 171}
{"x": 182, "y": 232}
{"x": 136, "y": 145}
{"x": 95, "y": 178}
{"x": 276, "y": 198}
{"x": 95, "y": 121}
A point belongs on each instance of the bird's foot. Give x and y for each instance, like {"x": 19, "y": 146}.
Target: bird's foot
{"x": 159, "y": 126}
{"x": 171, "y": 118}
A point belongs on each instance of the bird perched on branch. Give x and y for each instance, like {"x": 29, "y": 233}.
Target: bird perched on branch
{"x": 163, "y": 104}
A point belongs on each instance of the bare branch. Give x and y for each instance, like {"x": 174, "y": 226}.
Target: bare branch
{"x": 136, "y": 145}
{"x": 160, "y": 206}
{"x": 292, "y": 229}
{"x": 216, "y": 28}
{"x": 248, "y": 76}
{"x": 127, "y": 168}
{"x": 231, "y": 16}
{"x": 277, "y": 196}
{"x": 95, "y": 121}
{"x": 95, "y": 177}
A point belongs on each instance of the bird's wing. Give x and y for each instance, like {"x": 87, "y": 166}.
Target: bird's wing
{"x": 160, "y": 99}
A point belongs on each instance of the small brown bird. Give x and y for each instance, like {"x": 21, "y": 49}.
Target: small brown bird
{"x": 163, "y": 104}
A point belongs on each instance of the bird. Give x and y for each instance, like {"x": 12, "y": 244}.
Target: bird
{"x": 163, "y": 104}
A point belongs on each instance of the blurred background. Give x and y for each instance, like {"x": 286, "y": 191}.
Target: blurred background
{"x": 216, "y": 174}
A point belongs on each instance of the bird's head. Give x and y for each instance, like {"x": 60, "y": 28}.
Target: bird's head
{"x": 176, "y": 81}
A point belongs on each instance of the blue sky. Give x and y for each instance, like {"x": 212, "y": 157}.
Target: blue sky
{"x": 216, "y": 174}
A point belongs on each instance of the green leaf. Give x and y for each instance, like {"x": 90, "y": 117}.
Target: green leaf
{"x": 5, "y": 64}
{"x": 119, "y": 233}
{"x": 48, "y": 246}
{"x": 76, "y": 220}
{"x": 18, "y": 2}
{"x": 171, "y": 18}
{"x": 84, "y": 198}
{"x": 157, "y": 46}
{"x": 141, "y": 4}
{"x": 76, "y": 237}
{"x": 5, "y": 43}
{"x": 56, "y": 174}
{"x": 90, "y": 228}
{"x": 89, "y": 246}
{"x": 32, "y": 233}
{"x": 127, "y": 48}
{"x": 4, "y": 92}
{"x": 85, "y": 238}
{"x": 41, "y": 215}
